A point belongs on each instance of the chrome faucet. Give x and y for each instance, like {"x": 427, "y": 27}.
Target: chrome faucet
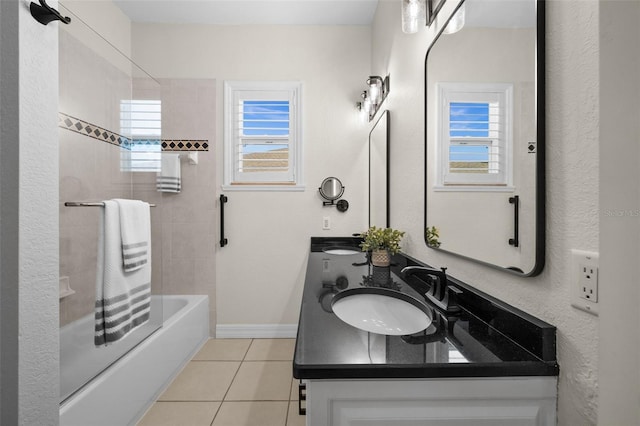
{"x": 440, "y": 293}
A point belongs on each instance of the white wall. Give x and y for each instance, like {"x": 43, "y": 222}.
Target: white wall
{"x": 105, "y": 18}
{"x": 619, "y": 364}
{"x": 28, "y": 218}
{"x": 260, "y": 273}
{"x": 572, "y": 179}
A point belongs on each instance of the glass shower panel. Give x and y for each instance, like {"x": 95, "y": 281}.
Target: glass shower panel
{"x": 109, "y": 137}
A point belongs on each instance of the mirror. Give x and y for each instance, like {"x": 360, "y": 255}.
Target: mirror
{"x": 331, "y": 189}
{"x": 484, "y": 109}
{"x": 379, "y": 172}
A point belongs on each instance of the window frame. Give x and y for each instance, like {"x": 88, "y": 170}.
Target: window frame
{"x": 234, "y": 90}
{"x": 448, "y": 93}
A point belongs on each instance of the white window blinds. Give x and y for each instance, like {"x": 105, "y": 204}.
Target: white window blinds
{"x": 141, "y": 124}
{"x": 474, "y": 135}
{"x": 262, "y": 133}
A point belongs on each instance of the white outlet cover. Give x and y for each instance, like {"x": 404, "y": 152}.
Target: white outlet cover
{"x": 580, "y": 259}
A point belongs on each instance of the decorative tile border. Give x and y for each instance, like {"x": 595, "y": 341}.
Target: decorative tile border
{"x": 82, "y": 127}
{"x": 68, "y": 122}
{"x": 185, "y": 145}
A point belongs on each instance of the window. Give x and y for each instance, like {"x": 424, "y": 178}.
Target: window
{"x": 263, "y": 144}
{"x": 474, "y": 135}
{"x": 141, "y": 124}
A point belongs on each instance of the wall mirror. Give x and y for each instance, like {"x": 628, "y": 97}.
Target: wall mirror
{"x": 485, "y": 184}
{"x": 379, "y": 172}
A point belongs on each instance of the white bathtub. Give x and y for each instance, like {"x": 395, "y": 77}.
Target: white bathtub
{"x": 121, "y": 394}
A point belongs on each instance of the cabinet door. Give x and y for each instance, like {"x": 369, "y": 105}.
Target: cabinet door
{"x": 466, "y": 402}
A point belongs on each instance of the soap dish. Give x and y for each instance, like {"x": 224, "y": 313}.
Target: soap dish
{"x": 65, "y": 288}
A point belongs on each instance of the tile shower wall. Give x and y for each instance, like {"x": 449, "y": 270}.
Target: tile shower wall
{"x": 188, "y": 229}
{"x": 89, "y": 168}
{"x": 183, "y": 225}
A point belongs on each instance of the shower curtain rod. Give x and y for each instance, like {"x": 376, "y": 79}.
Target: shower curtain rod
{"x": 82, "y": 204}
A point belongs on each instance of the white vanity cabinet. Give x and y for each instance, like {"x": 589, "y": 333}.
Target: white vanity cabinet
{"x": 503, "y": 401}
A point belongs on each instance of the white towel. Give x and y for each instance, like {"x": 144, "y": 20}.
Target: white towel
{"x": 168, "y": 180}
{"x": 135, "y": 222}
{"x": 123, "y": 299}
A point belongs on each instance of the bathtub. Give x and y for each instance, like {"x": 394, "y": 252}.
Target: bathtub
{"x": 121, "y": 394}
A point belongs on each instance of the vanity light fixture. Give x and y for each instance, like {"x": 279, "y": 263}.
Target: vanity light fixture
{"x": 457, "y": 21}
{"x": 414, "y": 15}
{"x": 373, "y": 98}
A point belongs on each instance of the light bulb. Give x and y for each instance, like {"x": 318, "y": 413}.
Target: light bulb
{"x": 414, "y": 15}
{"x": 456, "y": 22}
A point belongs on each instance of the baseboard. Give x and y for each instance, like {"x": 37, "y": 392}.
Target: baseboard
{"x": 256, "y": 331}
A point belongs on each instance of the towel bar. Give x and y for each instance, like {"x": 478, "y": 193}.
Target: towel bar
{"x": 82, "y": 204}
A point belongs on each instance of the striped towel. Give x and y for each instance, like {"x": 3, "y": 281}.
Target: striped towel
{"x": 168, "y": 180}
{"x": 135, "y": 223}
{"x": 123, "y": 299}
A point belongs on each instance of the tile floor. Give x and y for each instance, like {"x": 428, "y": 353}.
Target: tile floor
{"x": 232, "y": 382}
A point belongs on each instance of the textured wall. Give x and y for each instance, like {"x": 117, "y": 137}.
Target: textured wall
{"x": 572, "y": 179}
{"x": 29, "y": 220}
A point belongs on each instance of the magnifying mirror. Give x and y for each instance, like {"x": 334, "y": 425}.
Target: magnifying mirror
{"x": 331, "y": 190}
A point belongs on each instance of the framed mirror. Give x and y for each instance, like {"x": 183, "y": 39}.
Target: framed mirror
{"x": 485, "y": 183}
{"x": 379, "y": 172}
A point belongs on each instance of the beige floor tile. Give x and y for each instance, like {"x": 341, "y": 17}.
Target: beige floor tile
{"x": 201, "y": 381}
{"x": 180, "y": 413}
{"x": 256, "y": 413}
{"x": 294, "y": 390}
{"x": 293, "y": 418}
{"x": 271, "y": 350}
{"x": 261, "y": 381}
{"x": 223, "y": 350}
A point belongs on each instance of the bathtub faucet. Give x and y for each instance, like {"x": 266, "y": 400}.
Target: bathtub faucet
{"x": 440, "y": 293}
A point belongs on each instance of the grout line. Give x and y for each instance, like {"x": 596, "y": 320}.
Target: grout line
{"x": 286, "y": 419}
{"x": 289, "y": 401}
{"x": 235, "y": 375}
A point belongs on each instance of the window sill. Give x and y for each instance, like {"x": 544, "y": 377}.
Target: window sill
{"x": 473, "y": 188}
{"x": 264, "y": 188}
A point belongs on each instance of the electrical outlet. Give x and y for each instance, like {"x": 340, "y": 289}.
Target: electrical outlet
{"x": 326, "y": 223}
{"x": 584, "y": 281}
{"x": 588, "y": 283}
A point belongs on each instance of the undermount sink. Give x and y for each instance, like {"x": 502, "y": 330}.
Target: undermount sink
{"x": 381, "y": 311}
{"x": 341, "y": 251}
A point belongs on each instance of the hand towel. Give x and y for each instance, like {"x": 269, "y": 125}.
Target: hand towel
{"x": 135, "y": 222}
{"x": 123, "y": 299}
{"x": 168, "y": 180}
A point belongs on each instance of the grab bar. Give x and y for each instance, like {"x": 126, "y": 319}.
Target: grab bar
{"x": 515, "y": 200}
{"x": 85, "y": 204}
{"x": 223, "y": 240}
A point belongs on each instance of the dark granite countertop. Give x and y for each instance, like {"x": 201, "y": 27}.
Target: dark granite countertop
{"x": 487, "y": 338}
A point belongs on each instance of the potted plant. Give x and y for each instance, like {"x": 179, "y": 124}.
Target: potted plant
{"x": 382, "y": 243}
{"x": 433, "y": 237}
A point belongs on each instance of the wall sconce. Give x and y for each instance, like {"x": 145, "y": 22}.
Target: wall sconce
{"x": 456, "y": 22}
{"x": 373, "y": 97}
{"x": 414, "y": 15}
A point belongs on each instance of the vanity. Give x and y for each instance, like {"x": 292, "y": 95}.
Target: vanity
{"x": 487, "y": 364}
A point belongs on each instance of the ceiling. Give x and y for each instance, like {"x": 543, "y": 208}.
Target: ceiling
{"x": 247, "y": 12}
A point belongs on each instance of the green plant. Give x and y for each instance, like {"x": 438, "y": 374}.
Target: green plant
{"x": 381, "y": 239}
{"x": 432, "y": 236}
